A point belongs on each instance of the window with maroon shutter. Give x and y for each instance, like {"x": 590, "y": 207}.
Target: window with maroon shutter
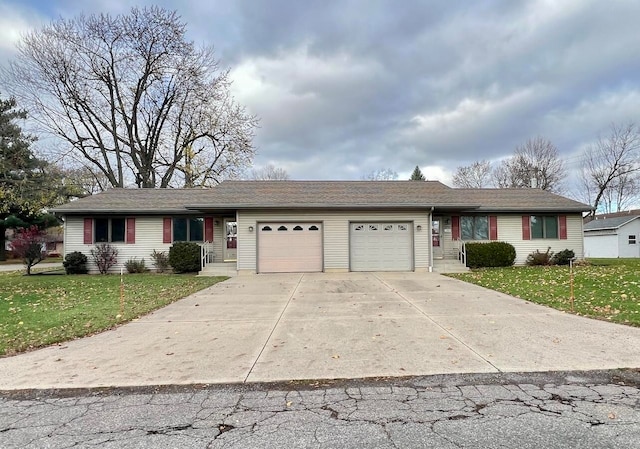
{"x": 562, "y": 223}
{"x": 493, "y": 227}
{"x": 208, "y": 229}
{"x": 88, "y": 231}
{"x": 166, "y": 230}
{"x": 550, "y": 227}
{"x": 131, "y": 230}
{"x": 455, "y": 227}
{"x": 526, "y": 227}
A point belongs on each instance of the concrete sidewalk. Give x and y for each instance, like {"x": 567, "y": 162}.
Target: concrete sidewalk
{"x": 21, "y": 267}
{"x": 313, "y": 326}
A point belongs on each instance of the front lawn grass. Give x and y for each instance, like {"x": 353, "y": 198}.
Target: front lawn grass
{"x": 37, "y": 310}
{"x": 607, "y": 289}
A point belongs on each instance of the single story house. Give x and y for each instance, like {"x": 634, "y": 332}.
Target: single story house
{"x": 330, "y": 226}
{"x": 612, "y": 237}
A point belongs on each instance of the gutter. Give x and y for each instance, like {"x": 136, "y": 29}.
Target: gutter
{"x": 431, "y": 240}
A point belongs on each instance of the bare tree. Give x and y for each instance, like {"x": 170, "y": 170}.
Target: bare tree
{"x": 84, "y": 180}
{"x": 611, "y": 168}
{"x": 474, "y": 176}
{"x": 382, "y": 174}
{"x": 536, "y": 164}
{"x": 269, "y": 173}
{"x": 621, "y": 194}
{"x": 134, "y": 99}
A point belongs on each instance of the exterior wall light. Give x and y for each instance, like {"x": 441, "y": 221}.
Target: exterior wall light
{"x": 250, "y": 228}
{"x": 419, "y": 227}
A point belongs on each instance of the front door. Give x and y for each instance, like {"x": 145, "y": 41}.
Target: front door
{"x": 436, "y": 237}
{"x": 230, "y": 245}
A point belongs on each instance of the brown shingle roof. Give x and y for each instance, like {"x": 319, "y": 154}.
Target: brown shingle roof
{"x": 323, "y": 194}
{"x": 137, "y": 201}
{"x": 521, "y": 200}
{"x": 232, "y": 195}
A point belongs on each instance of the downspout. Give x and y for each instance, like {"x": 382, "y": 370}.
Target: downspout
{"x": 431, "y": 240}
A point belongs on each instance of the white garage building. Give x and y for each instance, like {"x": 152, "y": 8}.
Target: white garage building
{"x": 612, "y": 237}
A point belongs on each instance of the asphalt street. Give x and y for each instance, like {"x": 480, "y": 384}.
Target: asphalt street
{"x": 597, "y": 409}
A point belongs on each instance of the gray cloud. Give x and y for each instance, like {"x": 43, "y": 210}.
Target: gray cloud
{"x": 344, "y": 88}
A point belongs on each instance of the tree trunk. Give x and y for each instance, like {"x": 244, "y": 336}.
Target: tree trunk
{"x": 3, "y": 240}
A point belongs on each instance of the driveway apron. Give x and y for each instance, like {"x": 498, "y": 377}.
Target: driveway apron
{"x": 325, "y": 325}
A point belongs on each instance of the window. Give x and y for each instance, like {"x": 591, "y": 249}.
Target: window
{"x": 474, "y": 227}
{"x": 109, "y": 230}
{"x": 188, "y": 229}
{"x": 282, "y": 228}
{"x": 298, "y": 228}
{"x": 632, "y": 240}
{"x": 544, "y": 227}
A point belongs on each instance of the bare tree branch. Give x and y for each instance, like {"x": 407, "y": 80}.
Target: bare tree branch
{"x": 611, "y": 169}
{"x": 536, "y": 164}
{"x": 269, "y": 173}
{"x": 474, "y": 176}
{"x": 382, "y": 174}
{"x": 134, "y": 99}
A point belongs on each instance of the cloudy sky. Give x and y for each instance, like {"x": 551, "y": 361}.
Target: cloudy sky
{"x": 343, "y": 88}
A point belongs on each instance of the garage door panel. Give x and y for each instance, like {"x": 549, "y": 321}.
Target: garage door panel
{"x": 381, "y": 247}
{"x": 289, "y": 247}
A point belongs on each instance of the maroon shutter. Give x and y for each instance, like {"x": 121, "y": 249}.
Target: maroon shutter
{"x": 455, "y": 227}
{"x": 88, "y": 231}
{"x": 131, "y": 230}
{"x": 493, "y": 227}
{"x": 166, "y": 230}
{"x": 562, "y": 219}
{"x": 526, "y": 227}
{"x": 208, "y": 229}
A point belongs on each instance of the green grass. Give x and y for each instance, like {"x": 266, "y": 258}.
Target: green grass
{"x": 37, "y": 311}
{"x": 607, "y": 289}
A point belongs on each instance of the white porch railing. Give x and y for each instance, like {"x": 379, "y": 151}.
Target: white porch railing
{"x": 206, "y": 254}
{"x": 462, "y": 252}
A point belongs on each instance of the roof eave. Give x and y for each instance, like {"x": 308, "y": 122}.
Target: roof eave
{"x": 120, "y": 211}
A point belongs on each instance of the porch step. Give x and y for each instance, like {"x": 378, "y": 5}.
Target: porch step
{"x": 219, "y": 269}
{"x": 448, "y": 266}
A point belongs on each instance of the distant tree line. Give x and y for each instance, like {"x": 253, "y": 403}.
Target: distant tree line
{"x": 609, "y": 172}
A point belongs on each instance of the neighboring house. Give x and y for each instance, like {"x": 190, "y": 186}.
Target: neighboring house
{"x": 331, "y": 226}
{"x": 612, "y": 237}
{"x": 54, "y": 245}
{"x": 55, "y": 241}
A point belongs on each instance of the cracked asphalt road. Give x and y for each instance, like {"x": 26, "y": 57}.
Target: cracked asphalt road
{"x": 596, "y": 409}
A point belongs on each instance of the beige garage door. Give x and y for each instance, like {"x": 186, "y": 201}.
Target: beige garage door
{"x": 381, "y": 247}
{"x": 289, "y": 247}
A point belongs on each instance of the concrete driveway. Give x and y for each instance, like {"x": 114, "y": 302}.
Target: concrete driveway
{"x": 313, "y": 326}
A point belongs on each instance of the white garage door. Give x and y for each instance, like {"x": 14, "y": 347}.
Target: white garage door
{"x": 381, "y": 247}
{"x": 289, "y": 247}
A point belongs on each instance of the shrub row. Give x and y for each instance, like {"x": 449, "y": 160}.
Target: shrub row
{"x": 491, "y": 254}
{"x": 549, "y": 258}
{"x": 183, "y": 257}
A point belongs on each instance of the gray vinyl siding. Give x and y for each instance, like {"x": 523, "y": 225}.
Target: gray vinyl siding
{"x": 335, "y": 233}
{"x": 148, "y": 238}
